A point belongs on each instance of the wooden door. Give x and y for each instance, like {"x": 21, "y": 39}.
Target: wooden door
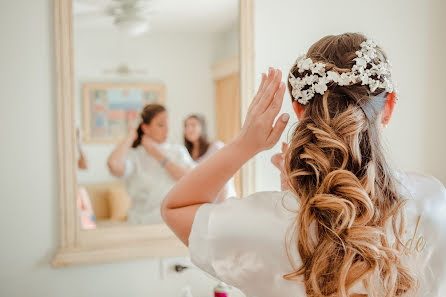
{"x": 227, "y": 109}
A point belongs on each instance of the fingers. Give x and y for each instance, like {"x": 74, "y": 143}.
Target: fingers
{"x": 265, "y": 94}
{"x": 262, "y": 84}
{"x": 259, "y": 92}
{"x": 270, "y": 78}
{"x": 276, "y": 103}
{"x": 269, "y": 91}
{"x": 277, "y": 160}
{"x": 284, "y": 147}
{"x": 266, "y": 80}
{"x": 277, "y": 130}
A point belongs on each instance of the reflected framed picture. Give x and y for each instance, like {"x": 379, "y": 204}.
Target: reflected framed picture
{"x": 108, "y": 108}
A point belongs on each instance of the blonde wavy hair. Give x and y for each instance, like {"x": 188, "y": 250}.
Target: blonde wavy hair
{"x": 349, "y": 225}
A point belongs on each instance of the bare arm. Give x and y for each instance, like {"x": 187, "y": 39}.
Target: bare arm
{"x": 203, "y": 183}
{"x": 174, "y": 170}
{"x": 223, "y": 194}
{"x": 116, "y": 160}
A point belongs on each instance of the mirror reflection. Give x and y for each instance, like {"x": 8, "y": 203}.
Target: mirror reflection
{"x": 156, "y": 87}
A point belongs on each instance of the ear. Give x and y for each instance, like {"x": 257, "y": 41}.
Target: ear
{"x": 388, "y": 108}
{"x": 298, "y": 109}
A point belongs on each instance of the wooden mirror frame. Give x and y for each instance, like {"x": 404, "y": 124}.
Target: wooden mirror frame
{"x": 80, "y": 247}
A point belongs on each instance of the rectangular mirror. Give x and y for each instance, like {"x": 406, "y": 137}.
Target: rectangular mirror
{"x": 146, "y": 91}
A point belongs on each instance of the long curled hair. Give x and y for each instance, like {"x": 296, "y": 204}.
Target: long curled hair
{"x": 203, "y": 142}
{"x": 147, "y": 114}
{"x": 350, "y": 221}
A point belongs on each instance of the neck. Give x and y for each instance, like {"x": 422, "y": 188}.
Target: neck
{"x": 156, "y": 141}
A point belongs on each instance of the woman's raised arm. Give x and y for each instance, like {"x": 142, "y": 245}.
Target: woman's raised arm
{"x": 116, "y": 160}
{"x": 203, "y": 183}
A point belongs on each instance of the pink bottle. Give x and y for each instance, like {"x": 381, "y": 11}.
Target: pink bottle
{"x": 221, "y": 290}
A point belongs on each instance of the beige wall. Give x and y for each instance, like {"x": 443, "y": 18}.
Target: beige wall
{"x": 411, "y": 32}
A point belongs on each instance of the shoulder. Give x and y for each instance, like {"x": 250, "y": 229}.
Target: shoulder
{"x": 259, "y": 211}
{"x": 422, "y": 187}
{"x": 271, "y": 201}
{"x": 425, "y": 219}
{"x": 419, "y": 177}
{"x": 179, "y": 153}
{"x": 134, "y": 153}
{"x": 260, "y": 200}
{"x": 213, "y": 147}
{"x": 175, "y": 149}
{"x": 242, "y": 240}
{"x": 425, "y": 197}
{"x": 137, "y": 150}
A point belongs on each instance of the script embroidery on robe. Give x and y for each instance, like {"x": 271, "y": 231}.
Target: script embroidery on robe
{"x": 414, "y": 243}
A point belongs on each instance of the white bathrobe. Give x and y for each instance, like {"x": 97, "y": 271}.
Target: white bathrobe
{"x": 241, "y": 241}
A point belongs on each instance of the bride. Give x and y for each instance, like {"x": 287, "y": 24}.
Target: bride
{"x": 347, "y": 223}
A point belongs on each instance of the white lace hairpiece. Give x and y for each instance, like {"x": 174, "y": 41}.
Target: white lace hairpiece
{"x": 368, "y": 70}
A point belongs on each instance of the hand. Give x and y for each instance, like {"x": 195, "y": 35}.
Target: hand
{"x": 152, "y": 148}
{"x": 132, "y": 132}
{"x": 277, "y": 161}
{"x": 258, "y": 132}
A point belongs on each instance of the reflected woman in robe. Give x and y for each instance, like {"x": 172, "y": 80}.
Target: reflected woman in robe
{"x": 148, "y": 165}
{"x": 200, "y": 148}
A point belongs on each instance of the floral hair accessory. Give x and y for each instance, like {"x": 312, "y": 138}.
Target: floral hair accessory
{"x": 368, "y": 70}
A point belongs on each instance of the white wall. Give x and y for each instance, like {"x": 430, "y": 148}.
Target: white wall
{"x": 29, "y": 220}
{"x": 412, "y": 34}
{"x": 227, "y": 43}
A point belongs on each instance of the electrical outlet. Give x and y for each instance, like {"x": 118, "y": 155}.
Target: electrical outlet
{"x": 168, "y": 266}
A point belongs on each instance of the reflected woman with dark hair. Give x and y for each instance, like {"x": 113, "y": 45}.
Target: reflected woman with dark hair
{"x": 200, "y": 148}
{"x": 148, "y": 164}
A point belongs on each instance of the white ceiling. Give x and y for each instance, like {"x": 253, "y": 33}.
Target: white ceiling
{"x": 167, "y": 15}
